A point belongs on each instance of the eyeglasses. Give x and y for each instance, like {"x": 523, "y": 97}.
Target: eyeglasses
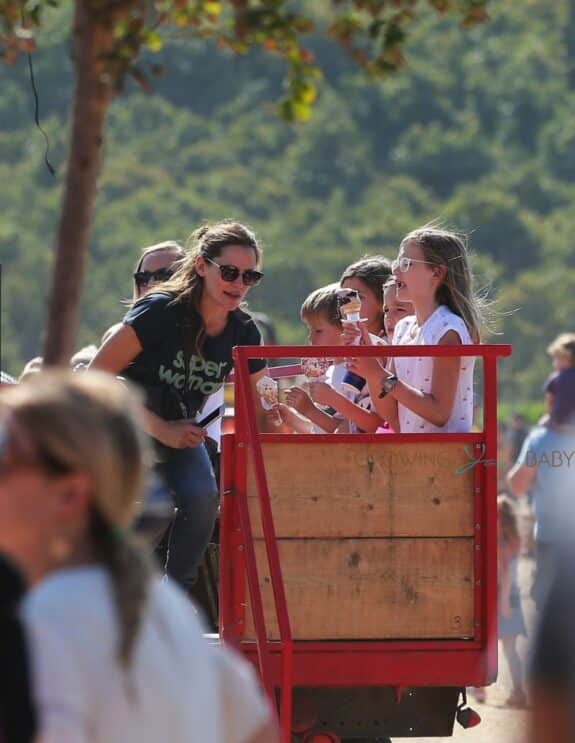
{"x": 404, "y": 263}
{"x": 250, "y": 277}
{"x": 142, "y": 278}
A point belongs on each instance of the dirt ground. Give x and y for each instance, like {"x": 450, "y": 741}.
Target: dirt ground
{"x": 498, "y": 723}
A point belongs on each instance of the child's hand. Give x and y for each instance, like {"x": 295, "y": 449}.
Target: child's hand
{"x": 276, "y": 413}
{"x": 322, "y": 393}
{"x": 365, "y": 367}
{"x": 355, "y": 334}
{"x": 298, "y": 398}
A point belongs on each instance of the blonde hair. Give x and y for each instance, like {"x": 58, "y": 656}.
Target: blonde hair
{"x": 89, "y": 423}
{"x": 322, "y": 301}
{"x": 168, "y": 246}
{"x": 449, "y": 249}
{"x": 563, "y": 345}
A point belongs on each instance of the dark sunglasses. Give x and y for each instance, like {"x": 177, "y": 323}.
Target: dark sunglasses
{"x": 250, "y": 277}
{"x": 144, "y": 277}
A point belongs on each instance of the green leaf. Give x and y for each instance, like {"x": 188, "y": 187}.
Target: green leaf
{"x": 153, "y": 41}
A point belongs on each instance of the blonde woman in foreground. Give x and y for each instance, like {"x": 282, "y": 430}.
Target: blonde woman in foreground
{"x": 117, "y": 655}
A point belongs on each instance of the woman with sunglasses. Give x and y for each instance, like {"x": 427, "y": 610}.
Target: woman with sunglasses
{"x": 116, "y": 654}
{"x": 157, "y": 264}
{"x": 177, "y": 343}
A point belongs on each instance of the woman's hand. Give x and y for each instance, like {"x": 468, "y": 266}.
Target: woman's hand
{"x": 322, "y": 393}
{"x": 297, "y": 397}
{"x": 183, "y": 434}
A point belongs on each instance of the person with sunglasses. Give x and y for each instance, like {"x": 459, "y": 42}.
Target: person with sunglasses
{"x": 157, "y": 264}
{"x": 177, "y": 341}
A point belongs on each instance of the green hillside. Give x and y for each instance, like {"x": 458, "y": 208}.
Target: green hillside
{"x": 477, "y": 131}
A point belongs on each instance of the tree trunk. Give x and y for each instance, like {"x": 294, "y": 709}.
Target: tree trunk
{"x": 93, "y": 37}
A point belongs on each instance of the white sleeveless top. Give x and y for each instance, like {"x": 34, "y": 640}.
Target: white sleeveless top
{"x": 417, "y": 371}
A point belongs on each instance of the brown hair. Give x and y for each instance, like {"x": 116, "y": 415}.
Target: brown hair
{"x": 374, "y": 271}
{"x": 322, "y": 301}
{"x": 186, "y": 285}
{"x": 563, "y": 345}
{"x": 90, "y": 423}
{"x": 449, "y": 249}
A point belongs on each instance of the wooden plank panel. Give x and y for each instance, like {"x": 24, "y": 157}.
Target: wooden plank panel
{"x": 372, "y": 588}
{"x": 366, "y": 490}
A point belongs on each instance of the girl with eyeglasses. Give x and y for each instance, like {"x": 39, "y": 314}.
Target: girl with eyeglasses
{"x": 177, "y": 343}
{"x": 117, "y": 655}
{"x": 429, "y": 395}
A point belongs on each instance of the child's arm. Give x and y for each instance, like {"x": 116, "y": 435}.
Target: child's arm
{"x": 292, "y": 419}
{"x": 434, "y": 406}
{"x": 299, "y": 399}
{"x": 364, "y": 419}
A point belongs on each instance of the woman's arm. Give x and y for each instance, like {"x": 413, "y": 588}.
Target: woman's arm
{"x": 121, "y": 347}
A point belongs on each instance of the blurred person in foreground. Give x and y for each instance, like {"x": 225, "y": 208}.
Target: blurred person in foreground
{"x": 17, "y": 714}
{"x": 552, "y": 667}
{"x": 117, "y": 655}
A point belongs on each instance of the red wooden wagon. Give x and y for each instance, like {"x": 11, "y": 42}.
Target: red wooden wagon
{"x": 359, "y": 572}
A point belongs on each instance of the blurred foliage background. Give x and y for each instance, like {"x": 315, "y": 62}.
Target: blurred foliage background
{"x": 479, "y": 131}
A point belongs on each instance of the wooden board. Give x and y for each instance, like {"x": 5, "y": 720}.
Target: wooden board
{"x": 366, "y": 490}
{"x": 372, "y": 588}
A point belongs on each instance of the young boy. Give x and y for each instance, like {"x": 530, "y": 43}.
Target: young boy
{"x": 560, "y": 387}
{"x": 328, "y": 408}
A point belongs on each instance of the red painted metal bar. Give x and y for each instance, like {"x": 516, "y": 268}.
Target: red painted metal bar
{"x": 256, "y": 598}
{"x": 272, "y": 553}
{"x": 276, "y": 372}
{"x": 372, "y": 646}
{"x": 247, "y": 546}
{"x": 490, "y": 512}
{"x": 370, "y": 438}
{"x": 478, "y": 544}
{"x": 438, "y": 667}
{"x": 281, "y": 352}
{"x": 226, "y": 532}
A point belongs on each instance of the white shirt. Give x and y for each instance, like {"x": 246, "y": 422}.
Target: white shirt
{"x": 418, "y": 372}
{"x": 178, "y": 688}
{"x": 334, "y": 377}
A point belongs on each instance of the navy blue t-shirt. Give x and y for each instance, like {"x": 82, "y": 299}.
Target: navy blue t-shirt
{"x": 160, "y": 327}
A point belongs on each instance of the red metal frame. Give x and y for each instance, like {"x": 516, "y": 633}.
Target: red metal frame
{"x": 284, "y": 664}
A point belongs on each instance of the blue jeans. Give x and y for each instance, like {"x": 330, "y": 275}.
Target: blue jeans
{"x": 189, "y": 476}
